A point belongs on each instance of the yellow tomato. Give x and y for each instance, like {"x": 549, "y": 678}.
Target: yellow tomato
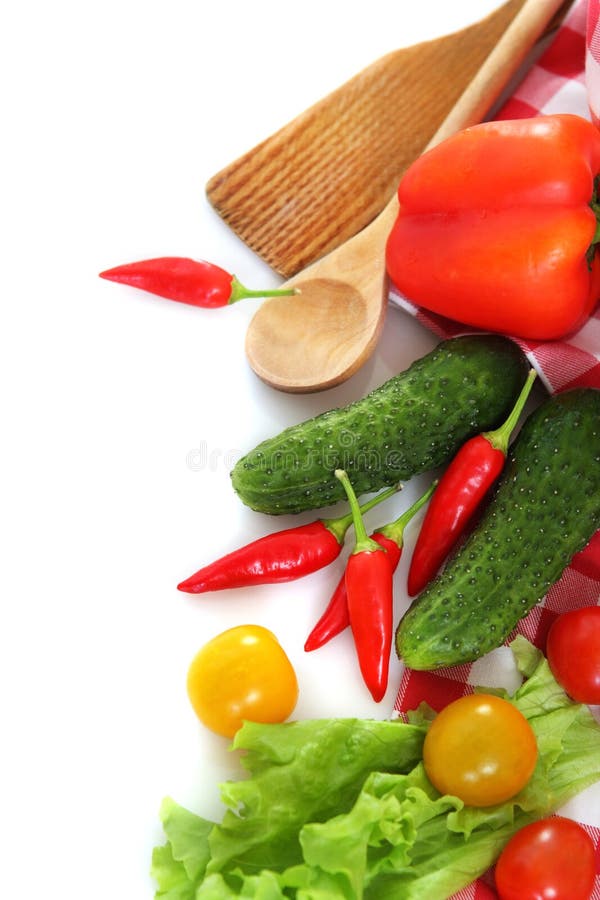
{"x": 242, "y": 673}
{"x": 480, "y": 748}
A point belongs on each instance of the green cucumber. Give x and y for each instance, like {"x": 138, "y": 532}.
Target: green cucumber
{"x": 414, "y": 422}
{"x": 544, "y": 509}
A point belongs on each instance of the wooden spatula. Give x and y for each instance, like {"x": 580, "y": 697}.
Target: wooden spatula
{"x": 338, "y": 164}
{"x": 323, "y": 334}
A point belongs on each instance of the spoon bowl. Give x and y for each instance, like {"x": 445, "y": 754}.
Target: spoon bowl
{"x": 321, "y": 335}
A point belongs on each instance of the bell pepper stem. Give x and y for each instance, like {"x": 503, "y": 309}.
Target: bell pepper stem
{"x": 595, "y": 207}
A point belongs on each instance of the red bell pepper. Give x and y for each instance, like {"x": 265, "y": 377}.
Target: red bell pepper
{"x": 497, "y": 227}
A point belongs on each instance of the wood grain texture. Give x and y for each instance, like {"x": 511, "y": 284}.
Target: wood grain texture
{"x": 328, "y": 173}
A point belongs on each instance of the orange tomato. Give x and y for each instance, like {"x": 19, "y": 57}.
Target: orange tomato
{"x": 481, "y": 749}
{"x": 242, "y": 673}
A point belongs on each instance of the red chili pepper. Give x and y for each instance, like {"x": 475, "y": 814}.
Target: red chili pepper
{"x": 336, "y": 619}
{"x": 497, "y": 227}
{"x": 278, "y": 557}
{"x": 190, "y": 281}
{"x": 369, "y": 588}
{"x": 461, "y": 490}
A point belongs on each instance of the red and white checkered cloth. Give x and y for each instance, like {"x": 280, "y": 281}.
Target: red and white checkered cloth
{"x": 565, "y": 78}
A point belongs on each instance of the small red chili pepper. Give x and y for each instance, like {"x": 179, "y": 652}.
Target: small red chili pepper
{"x": 461, "y": 490}
{"x": 278, "y": 557}
{"x": 369, "y": 588}
{"x": 190, "y": 281}
{"x": 335, "y": 619}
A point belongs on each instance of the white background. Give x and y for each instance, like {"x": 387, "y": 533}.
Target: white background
{"x": 122, "y": 413}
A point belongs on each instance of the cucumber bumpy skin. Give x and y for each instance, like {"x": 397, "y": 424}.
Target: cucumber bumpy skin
{"x": 545, "y": 508}
{"x": 414, "y": 422}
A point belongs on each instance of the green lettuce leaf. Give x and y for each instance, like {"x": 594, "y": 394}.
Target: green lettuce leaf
{"x": 342, "y": 809}
{"x": 180, "y": 864}
{"x": 304, "y": 771}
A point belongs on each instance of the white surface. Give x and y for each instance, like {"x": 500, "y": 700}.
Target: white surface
{"x": 123, "y": 413}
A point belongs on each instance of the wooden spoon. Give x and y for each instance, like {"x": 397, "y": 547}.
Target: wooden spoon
{"x": 320, "y": 336}
{"x": 338, "y": 163}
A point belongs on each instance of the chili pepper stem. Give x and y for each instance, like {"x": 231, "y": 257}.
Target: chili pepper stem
{"x": 500, "y": 437}
{"x": 340, "y": 526}
{"x": 239, "y": 292}
{"x": 395, "y": 530}
{"x": 363, "y": 541}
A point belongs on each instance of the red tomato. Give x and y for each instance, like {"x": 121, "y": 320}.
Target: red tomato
{"x": 552, "y": 859}
{"x": 242, "y": 673}
{"x": 480, "y": 748}
{"x": 573, "y": 651}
